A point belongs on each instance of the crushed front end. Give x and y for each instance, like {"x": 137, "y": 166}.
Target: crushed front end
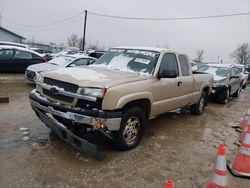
{"x": 73, "y": 116}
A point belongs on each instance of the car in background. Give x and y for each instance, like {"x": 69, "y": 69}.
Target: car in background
{"x": 227, "y": 81}
{"x": 15, "y": 59}
{"x": 58, "y": 62}
{"x": 96, "y": 53}
{"x": 48, "y": 53}
{"x": 244, "y": 75}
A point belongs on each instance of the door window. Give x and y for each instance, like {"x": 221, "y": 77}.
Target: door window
{"x": 169, "y": 62}
{"x": 23, "y": 54}
{"x": 6, "y": 53}
{"x": 79, "y": 62}
{"x": 184, "y": 65}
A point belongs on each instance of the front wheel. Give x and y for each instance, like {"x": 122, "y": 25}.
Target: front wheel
{"x": 237, "y": 93}
{"x": 198, "y": 108}
{"x": 225, "y": 96}
{"x": 131, "y": 129}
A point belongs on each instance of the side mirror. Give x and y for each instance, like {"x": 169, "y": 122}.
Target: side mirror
{"x": 167, "y": 73}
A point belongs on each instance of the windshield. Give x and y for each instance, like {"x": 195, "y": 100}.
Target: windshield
{"x": 129, "y": 60}
{"x": 217, "y": 71}
{"x": 61, "y": 60}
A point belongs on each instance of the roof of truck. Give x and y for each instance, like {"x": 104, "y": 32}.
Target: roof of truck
{"x": 145, "y": 48}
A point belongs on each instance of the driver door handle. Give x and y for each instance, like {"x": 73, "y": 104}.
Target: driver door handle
{"x": 179, "y": 84}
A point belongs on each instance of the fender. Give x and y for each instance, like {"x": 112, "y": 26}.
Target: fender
{"x": 132, "y": 97}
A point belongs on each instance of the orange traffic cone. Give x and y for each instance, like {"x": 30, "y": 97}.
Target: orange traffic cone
{"x": 241, "y": 164}
{"x": 169, "y": 184}
{"x": 243, "y": 133}
{"x": 219, "y": 176}
{"x": 246, "y": 119}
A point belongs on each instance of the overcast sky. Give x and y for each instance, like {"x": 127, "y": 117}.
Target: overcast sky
{"x": 217, "y": 37}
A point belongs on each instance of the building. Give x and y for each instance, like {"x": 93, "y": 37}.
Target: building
{"x": 9, "y": 36}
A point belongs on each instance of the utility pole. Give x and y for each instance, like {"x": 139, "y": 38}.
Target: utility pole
{"x": 0, "y": 19}
{"x": 84, "y": 29}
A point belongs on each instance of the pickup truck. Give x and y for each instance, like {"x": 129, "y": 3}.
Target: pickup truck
{"x": 117, "y": 95}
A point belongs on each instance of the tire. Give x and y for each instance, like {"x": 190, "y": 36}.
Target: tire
{"x": 244, "y": 86}
{"x": 131, "y": 129}
{"x": 237, "y": 93}
{"x": 198, "y": 109}
{"x": 225, "y": 96}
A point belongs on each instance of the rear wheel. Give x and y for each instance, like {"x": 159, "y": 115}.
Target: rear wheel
{"x": 131, "y": 129}
{"x": 198, "y": 108}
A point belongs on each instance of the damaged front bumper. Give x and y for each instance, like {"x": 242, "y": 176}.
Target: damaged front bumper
{"x": 110, "y": 121}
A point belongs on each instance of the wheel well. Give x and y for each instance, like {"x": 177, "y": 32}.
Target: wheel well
{"x": 206, "y": 89}
{"x": 144, "y": 104}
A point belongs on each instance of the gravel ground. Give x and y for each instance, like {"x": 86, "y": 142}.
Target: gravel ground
{"x": 175, "y": 145}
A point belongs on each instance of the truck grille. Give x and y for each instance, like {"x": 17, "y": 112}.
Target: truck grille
{"x": 64, "y": 85}
{"x": 58, "y": 96}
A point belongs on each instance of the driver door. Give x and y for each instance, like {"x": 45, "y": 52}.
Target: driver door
{"x": 167, "y": 91}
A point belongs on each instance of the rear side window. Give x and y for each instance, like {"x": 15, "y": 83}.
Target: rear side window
{"x": 169, "y": 62}
{"x": 6, "y": 53}
{"x": 23, "y": 54}
{"x": 184, "y": 65}
{"x": 34, "y": 56}
{"x": 79, "y": 62}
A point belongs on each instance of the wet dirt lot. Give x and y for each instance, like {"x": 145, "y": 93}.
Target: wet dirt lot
{"x": 176, "y": 145}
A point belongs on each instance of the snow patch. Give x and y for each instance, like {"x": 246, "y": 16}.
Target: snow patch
{"x": 82, "y": 74}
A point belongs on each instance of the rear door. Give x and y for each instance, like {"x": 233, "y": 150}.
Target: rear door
{"x": 186, "y": 81}
{"x": 22, "y": 59}
{"x": 6, "y": 60}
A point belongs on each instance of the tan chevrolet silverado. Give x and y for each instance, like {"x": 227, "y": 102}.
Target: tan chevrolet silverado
{"x": 117, "y": 95}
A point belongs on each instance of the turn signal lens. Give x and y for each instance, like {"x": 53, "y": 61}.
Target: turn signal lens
{"x": 98, "y": 125}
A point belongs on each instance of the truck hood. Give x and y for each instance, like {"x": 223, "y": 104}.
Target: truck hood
{"x": 42, "y": 67}
{"x": 93, "y": 76}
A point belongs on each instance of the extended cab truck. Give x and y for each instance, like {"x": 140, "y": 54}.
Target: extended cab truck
{"x": 117, "y": 94}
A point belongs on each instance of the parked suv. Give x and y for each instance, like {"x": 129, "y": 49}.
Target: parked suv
{"x": 227, "y": 81}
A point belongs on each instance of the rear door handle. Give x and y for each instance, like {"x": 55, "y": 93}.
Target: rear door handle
{"x": 179, "y": 84}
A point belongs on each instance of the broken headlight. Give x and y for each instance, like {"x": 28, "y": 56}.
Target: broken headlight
{"x": 39, "y": 80}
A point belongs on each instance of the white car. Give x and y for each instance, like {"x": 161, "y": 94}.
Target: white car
{"x": 58, "y": 62}
{"x": 244, "y": 74}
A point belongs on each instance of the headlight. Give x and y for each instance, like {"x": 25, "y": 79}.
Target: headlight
{"x": 219, "y": 85}
{"x": 94, "y": 92}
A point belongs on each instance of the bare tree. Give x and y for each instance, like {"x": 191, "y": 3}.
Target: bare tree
{"x": 199, "y": 56}
{"x": 73, "y": 40}
{"x": 242, "y": 54}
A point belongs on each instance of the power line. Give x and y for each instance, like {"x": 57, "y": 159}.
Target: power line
{"x": 122, "y": 17}
{"x": 169, "y": 18}
{"x": 43, "y": 25}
